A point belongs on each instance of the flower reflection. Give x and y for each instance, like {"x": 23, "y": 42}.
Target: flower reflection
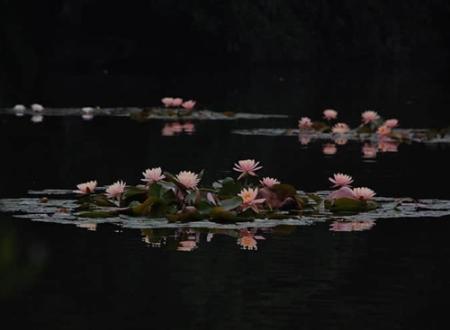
{"x": 189, "y": 239}
{"x": 304, "y": 138}
{"x": 87, "y": 116}
{"x": 388, "y": 145}
{"x": 248, "y": 240}
{"x": 88, "y": 226}
{"x": 171, "y": 129}
{"x": 340, "y": 140}
{"x": 355, "y": 225}
{"x": 37, "y": 118}
{"x": 369, "y": 150}
{"x": 329, "y": 149}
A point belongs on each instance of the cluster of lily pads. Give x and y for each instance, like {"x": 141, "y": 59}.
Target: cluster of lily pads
{"x": 180, "y": 197}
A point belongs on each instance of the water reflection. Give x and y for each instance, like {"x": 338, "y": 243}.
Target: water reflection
{"x": 191, "y": 239}
{"x": 177, "y": 128}
{"x": 354, "y": 225}
{"x": 37, "y": 118}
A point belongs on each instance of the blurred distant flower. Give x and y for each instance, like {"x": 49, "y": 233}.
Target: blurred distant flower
{"x": 304, "y": 123}
{"x": 37, "y": 107}
{"x": 340, "y": 128}
{"x": 330, "y": 114}
{"x": 369, "y": 116}
{"x": 177, "y": 102}
{"x": 189, "y": 105}
{"x": 167, "y": 101}
{"x": 19, "y": 108}
{"x": 383, "y": 130}
{"x": 391, "y": 123}
{"x": 86, "y": 187}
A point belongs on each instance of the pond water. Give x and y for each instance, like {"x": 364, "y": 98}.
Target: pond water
{"x": 386, "y": 273}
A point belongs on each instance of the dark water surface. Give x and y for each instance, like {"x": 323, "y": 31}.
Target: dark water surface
{"x": 393, "y": 275}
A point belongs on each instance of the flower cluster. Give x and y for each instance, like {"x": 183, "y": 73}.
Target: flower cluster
{"x": 180, "y": 197}
{"x": 177, "y": 102}
{"x": 371, "y": 122}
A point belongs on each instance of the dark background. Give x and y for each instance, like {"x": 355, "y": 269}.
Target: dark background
{"x": 227, "y": 53}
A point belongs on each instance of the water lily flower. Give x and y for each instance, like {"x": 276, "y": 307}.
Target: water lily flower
{"x": 188, "y": 179}
{"x": 369, "y": 150}
{"x": 383, "y": 130}
{"x": 153, "y": 175}
{"x": 329, "y": 149}
{"x": 363, "y": 193}
{"x": 87, "y": 110}
{"x": 304, "y": 123}
{"x": 177, "y": 102}
{"x": 247, "y": 167}
{"x": 340, "y": 128}
{"x": 167, "y": 101}
{"x": 249, "y": 199}
{"x": 391, "y": 123}
{"x": 116, "y": 190}
{"x": 341, "y": 180}
{"x": 86, "y": 187}
{"x": 330, "y": 114}
{"x": 269, "y": 182}
{"x": 343, "y": 192}
{"x": 188, "y": 105}
{"x": 369, "y": 116}
{"x": 37, "y": 107}
{"x": 19, "y": 108}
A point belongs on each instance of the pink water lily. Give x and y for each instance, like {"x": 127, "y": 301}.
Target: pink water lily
{"x": 340, "y": 128}
{"x": 341, "y": 180}
{"x": 249, "y": 199}
{"x": 167, "y": 101}
{"x": 116, "y": 190}
{"x": 247, "y": 167}
{"x": 383, "y": 130}
{"x": 369, "y": 116}
{"x": 153, "y": 175}
{"x": 269, "y": 182}
{"x": 189, "y": 105}
{"x": 86, "y": 187}
{"x": 305, "y": 123}
{"x": 343, "y": 192}
{"x": 19, "y": 108}
{"x": 391, "y": 123}
{"x": 330, "y": 114}
{"x": 177, "y": 102}
{"x": 188, "y": 179}
{"x": 363, "y": 193}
